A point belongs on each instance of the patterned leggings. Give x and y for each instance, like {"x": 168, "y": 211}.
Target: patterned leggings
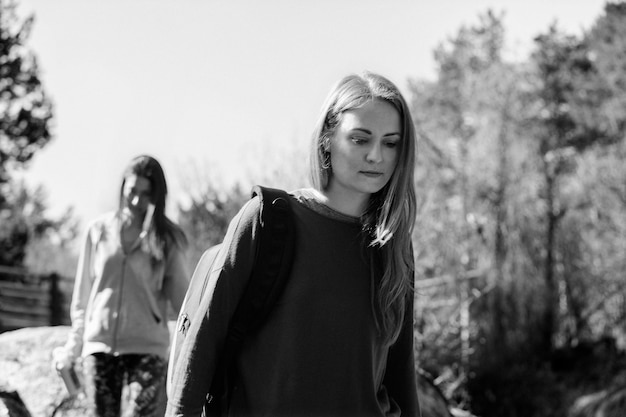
{"x": 106, "y": 376}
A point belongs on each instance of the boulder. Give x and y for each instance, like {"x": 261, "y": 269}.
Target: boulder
{"x": 25, "y": 367}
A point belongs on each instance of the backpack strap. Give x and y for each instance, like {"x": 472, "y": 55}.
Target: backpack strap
{"x": 269, "y": 275}
{"x": 272, "y": 264}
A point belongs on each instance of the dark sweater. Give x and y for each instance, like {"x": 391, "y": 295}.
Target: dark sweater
{"x": 319, "y": 353}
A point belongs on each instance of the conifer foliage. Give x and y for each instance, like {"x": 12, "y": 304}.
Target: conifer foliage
{"x": 25, "y": 119}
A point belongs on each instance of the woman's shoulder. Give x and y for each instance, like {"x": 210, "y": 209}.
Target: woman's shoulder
{"x": 248, "y": 218}
{"x": 315, "y": 201}
{"x": 175, "y": 236}
{"x": 104, "y": 218}
{"x": 249, "y": 214}
{"x": 101, "y": 224}
{"x": 309, "y": 200}
{"x": 307, "y": 195}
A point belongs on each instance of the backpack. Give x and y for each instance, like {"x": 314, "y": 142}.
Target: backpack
{"x": 269, "y": 274}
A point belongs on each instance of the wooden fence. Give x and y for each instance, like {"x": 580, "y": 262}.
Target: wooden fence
{"x": 30, "y": 300}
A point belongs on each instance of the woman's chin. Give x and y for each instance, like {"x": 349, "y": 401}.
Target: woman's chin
{"x": 132, "y": 213}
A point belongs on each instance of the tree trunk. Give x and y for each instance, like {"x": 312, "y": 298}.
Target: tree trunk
{"x": 551, "y": 296}
{"x": 498, "y": 336}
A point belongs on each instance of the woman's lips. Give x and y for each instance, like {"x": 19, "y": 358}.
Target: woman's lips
{"x": 372, "y": 174}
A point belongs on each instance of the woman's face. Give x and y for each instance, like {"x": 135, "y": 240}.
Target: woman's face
{"x": 364, "y": 149}
{"x": 137, "y": 192}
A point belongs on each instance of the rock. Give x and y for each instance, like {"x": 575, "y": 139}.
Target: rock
{"x": 25, "y": 367}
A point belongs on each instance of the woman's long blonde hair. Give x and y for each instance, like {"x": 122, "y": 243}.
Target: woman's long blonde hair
{"x": 390, "y": 216}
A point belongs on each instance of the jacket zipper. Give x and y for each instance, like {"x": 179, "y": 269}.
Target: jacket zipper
{"x": 118, "y": 311}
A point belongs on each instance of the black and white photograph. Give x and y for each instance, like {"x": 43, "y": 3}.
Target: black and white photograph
{"x": 349, "y": 208}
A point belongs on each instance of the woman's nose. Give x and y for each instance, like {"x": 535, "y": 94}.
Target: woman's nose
{"x": 375, "y": 154}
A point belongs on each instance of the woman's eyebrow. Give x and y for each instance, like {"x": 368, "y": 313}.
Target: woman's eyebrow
{"x": 369, "y": 132}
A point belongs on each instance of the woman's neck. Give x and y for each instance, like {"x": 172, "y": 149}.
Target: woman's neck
{"x": 351, "y": 204}
{"x": 131, "y": 221}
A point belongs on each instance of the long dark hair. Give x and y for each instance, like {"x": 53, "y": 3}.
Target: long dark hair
{"x": 165, "y": 231}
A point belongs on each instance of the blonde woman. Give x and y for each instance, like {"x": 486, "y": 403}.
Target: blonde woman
{"x": 339, "y": 341}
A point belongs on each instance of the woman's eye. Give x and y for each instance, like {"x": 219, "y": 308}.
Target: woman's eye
{"x": 391, "y": 144}
{"x": 359, "y": 140}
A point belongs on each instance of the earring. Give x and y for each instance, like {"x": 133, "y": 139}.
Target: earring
{"x": 325, "y": 151}
{"x": 326, "y": 161}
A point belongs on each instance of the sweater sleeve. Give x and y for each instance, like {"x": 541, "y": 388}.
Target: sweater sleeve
{"x": 400, "y": 378}
{"x": 80, "y": 298}
{"x": 176, "y": 277}
{"x": 208, "y": 329}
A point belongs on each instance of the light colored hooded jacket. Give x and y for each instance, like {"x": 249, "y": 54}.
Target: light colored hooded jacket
{"x": 119, "y": 304}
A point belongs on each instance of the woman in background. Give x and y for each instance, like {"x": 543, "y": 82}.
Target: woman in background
{"x": 132, "y": 263}
{"x": 339, "y": 341}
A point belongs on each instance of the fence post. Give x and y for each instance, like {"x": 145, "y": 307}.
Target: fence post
{"x": 56, "y": 299}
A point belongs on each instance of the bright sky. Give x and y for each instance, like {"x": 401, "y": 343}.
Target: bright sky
{"x": 215, "y": 85}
